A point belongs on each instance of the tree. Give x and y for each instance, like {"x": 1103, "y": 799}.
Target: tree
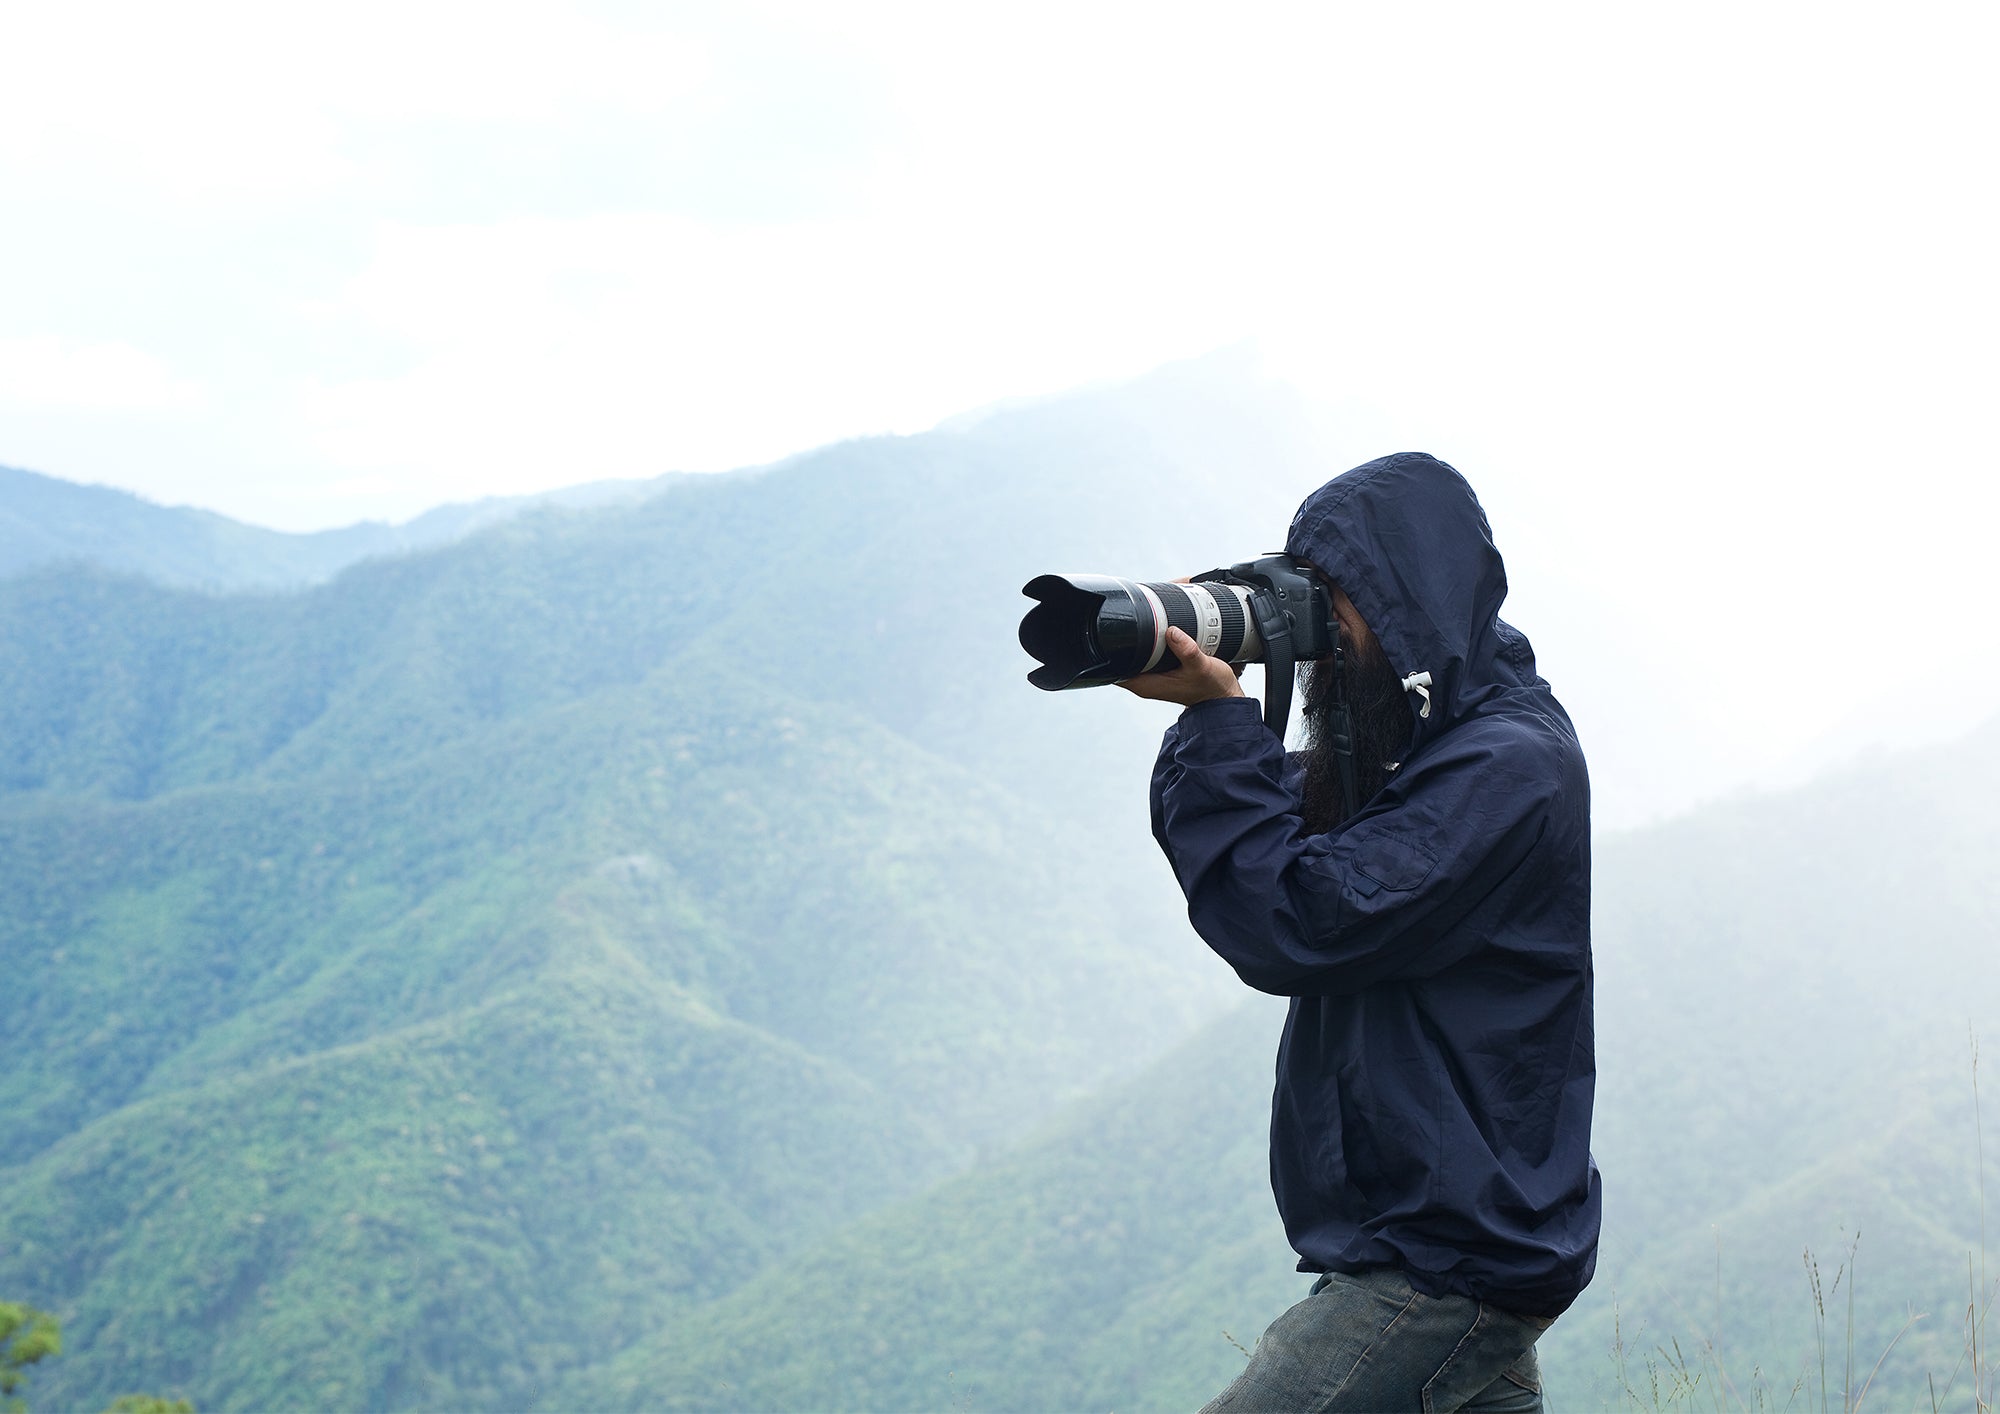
{"x": 26, "y": 1335}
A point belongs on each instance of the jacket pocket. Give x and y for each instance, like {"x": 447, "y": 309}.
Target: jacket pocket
{"x": 1392, "y": 861}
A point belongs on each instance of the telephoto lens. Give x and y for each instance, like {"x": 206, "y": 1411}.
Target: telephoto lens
{"x": 1088, "y": 630}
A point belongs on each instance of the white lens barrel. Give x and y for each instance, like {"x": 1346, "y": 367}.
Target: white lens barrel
{"x": 1207, "y": 617}
{"x": 1216, "y": 616}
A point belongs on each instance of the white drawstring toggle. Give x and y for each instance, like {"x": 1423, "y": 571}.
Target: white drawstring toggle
{"x": 1420, "y": 683}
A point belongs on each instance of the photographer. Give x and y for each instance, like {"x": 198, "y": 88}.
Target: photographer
{"x": 1430, "y": 1129}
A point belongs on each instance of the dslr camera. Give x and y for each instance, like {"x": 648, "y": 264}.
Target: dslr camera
{"x": 1087, "y": 630}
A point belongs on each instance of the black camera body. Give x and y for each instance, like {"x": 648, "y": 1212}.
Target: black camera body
{"x": 1298, "y": 592}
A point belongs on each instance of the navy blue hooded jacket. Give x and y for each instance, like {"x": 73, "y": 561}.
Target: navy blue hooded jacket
{"x": 1434, "y": 1086}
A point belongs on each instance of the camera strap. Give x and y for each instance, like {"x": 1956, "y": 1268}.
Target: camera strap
{"x": 1343, "y": 735}
{"x": 1276, "y": 631}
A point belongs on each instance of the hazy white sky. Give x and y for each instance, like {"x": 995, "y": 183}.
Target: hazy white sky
{"x": 1708, "y": 290}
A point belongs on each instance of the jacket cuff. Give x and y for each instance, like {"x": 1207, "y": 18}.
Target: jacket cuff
{"x": 1220, "y": 729}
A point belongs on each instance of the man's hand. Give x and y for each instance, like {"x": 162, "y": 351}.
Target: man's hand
{"x": 1199, "y": 678}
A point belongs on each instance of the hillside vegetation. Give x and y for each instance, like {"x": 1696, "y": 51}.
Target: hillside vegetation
{"x": 1098, "y": 1268}
{"x": 547, "y": 933}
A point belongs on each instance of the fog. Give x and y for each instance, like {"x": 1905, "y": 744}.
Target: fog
{"x": 1700, "y": 302}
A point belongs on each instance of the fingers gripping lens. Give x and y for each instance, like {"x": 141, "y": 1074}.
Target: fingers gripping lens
{"x": 1211, "y": 614}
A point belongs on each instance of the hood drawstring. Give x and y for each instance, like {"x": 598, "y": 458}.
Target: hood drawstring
{"x": 1420, "y": 683}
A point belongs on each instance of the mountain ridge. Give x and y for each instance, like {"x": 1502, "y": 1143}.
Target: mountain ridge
{"x": 550, "y": 800}
{"x": 48, "y": 522}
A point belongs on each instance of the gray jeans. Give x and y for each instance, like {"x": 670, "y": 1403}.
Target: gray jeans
{"x": 1371, "y": 1342}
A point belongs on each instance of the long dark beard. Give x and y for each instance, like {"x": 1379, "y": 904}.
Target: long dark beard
{"x": 1380, "y": 712}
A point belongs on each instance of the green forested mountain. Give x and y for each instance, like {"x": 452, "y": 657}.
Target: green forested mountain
{"x": 536, "y": 970}
{"x": 519, "y": 1012}
{"x": 550, "y": 932}
{"x": 1097, "y": 1268}
{"x": 1788, "y": 990}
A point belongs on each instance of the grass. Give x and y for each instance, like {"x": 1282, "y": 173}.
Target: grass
{"x": 1670, "y": 1379}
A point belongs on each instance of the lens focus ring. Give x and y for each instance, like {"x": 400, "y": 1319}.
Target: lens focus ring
{"x": 1229, "y": 604}
{"x": 1182, "y": 612}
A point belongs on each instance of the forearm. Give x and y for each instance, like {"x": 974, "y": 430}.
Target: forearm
{"x": 1227, "y": 818}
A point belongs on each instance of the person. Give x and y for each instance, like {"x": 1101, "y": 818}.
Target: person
{"x": 1430, "y": 1125}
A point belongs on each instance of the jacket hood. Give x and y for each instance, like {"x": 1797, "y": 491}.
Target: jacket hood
{"x": 1405, "y": 538}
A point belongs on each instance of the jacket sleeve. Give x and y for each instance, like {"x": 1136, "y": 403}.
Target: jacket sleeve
{"x": 1375, "y": 900}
